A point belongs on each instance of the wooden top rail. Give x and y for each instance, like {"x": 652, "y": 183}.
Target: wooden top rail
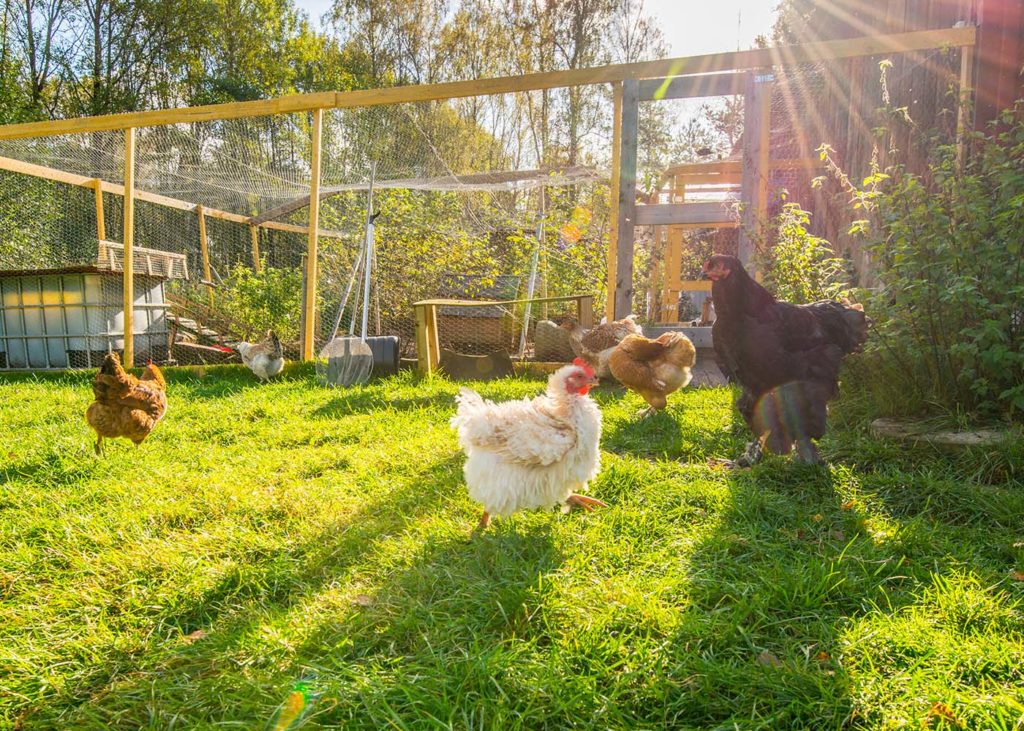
{"x": 82, "y": 181}
{"x": 725, "y": 167}
{"x": 671, "y": 67}
{"x": 486, "y": 303}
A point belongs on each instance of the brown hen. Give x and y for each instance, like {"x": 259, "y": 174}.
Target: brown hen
{"x": 125, "y": 406}
{"x": 653, "y": 368}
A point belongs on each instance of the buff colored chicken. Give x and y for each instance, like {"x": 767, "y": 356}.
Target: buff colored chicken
{"x": 653, "y": 368}
{"x": 532, "y": 454}
{"x": 126, "y": 406}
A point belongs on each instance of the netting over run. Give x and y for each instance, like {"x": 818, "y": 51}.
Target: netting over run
{"x": 464, "y": 188}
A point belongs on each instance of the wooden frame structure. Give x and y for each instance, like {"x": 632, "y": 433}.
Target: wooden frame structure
{"x": 692, "y": 76}
{"x": 428, "y": 348}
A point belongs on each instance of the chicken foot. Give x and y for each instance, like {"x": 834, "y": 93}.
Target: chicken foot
{"x": 584, "y": 501}
{"x": 807, "y": 453}
{"x": 751, "y": 456}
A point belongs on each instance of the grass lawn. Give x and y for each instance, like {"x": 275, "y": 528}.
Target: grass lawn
{"x": 287, "y": 549}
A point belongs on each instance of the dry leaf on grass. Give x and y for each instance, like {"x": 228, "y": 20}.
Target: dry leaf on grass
{"x": 818, "y": 518}
{"x": 1017, "y": 575}
{"x": 363, "y": 600}
{"x": 194, "y": 636}
{"x": 848, "y": 505}
{"x": 942, "y": 711}
{"x": 767, "y": 658}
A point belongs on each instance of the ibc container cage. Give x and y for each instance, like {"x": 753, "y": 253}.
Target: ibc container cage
{"x": 71, "y": 318}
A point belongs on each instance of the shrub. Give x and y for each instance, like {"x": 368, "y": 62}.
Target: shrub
{"x": 947, "y": 248}
{"x": 270, "y": 299}
{"x": 801, "y": 267}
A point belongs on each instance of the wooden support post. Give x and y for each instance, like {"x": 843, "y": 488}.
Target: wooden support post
{"x": 428, "y": 350}
{"x": 101, "y": 224}
{"x": 309, "y": 315}
{"x": 626, "y": 201}
{"x": 756, "y": 149}
{"x": 422, "y": 344}
{"x": 254, "y": 234}
{"x": 205, "y": 249}
{"x": 585, "y": 311}
{"x": 673, "y": 274}
{"x": 965, "y": 117}
{"x": 129, "y": 242}
{"x": 613, "y": 191}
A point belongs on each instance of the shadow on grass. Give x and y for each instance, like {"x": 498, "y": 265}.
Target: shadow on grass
{"x": 251, "y": 593}
{"x": 803, "y": 556}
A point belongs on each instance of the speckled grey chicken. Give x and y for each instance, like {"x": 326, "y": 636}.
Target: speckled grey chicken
{"x": 595, "y": 345}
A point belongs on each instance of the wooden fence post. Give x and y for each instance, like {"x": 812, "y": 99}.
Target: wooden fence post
{"x": 309, "y": 319}
{"x": 254, "y": 234}
{"x": 756, "y": 164}
{"x": 613, "y": 191}
{"x": 101, "y": 225}
{"x": 626, "y": 200}
{"x": 204, "y": 248}
{"x": 129, "y": 242}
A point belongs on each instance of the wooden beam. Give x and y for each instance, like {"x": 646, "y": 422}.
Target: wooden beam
{"x": 309, "y": 316}
{"x": 691, "y": 87}
{"x": 129, "y": 254}
{"x": 735, "y": 167}
{"x": 702, "y": 213}
{"x": 101, "y": 224}
{"x": 965, "y": 115}
{"x": 504, "y": 303}
{"x": 254, "y": 234}
{"x": 731, "y": 61}
{"x": 613, "y": 216}
{"x": 205, "y": 249}
{"x": 626, "y": 202}
{"x": 756, "y": 111}
{"x": 695, "y": 285}
{"x": 61, "y": 176}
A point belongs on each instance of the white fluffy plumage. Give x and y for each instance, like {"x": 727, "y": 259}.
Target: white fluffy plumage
{"x": 531, "y": 453}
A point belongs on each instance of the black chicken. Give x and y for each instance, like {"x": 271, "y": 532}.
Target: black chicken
{"x": 786, "y": 357}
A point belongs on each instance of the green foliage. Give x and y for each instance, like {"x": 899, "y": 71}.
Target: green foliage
{"x": 947, "y": 247}
{"x": 270, "y": 299}
{"x": 800, "y": 267}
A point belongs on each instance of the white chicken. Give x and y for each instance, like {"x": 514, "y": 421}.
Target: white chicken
{"x": 532, "y": 453}
{"x": 265, "y": 359}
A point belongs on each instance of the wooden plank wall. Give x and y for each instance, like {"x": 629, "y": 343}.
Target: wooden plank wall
{"x": 842, "y": 112}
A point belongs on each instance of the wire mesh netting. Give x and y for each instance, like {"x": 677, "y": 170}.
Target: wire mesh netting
{"x": 221, "y": 214}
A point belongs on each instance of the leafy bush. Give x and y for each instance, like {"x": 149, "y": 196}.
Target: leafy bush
{"x": 947, "y": 248}
{"x": 270, "y": 299}
{"x": 801, "y": 267}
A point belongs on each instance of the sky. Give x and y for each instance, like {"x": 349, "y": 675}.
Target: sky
{"x": 691, "y": 27}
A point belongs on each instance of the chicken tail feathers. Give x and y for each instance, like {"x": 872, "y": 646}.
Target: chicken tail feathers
{"x": 275, "y": 345}
{"x": 470, "y": 404}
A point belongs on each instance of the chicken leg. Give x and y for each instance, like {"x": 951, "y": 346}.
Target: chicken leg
{"x": 485, "y": 520}
{"x": 99, "y": 445}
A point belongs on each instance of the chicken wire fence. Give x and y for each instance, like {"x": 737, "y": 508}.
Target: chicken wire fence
{"x": 221, "y": 211}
